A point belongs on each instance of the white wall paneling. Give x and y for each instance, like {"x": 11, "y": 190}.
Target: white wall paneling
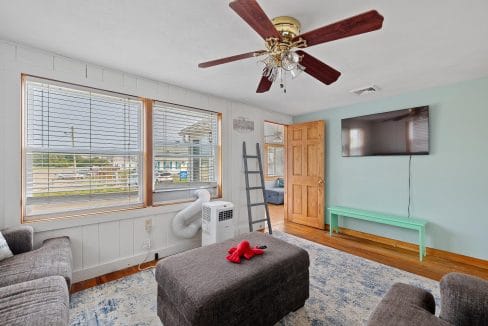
{"x": 126, "y": 238}
{"x": 91, "y": 245}
{"x": 108, "y": 242}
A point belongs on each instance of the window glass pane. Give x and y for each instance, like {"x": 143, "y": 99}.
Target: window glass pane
{"x": 275, "y": 156}
{"x": 83, "y": 149}
{"x": 274, "y": 136}
{"x": 185, "y": 144}
{"x": 271, "y": 162}
{"x": 279, "y": 161}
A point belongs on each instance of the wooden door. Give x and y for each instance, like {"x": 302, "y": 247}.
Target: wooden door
{"x": 305, "y": 186}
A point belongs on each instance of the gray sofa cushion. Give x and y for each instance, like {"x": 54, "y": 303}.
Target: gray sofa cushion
{"x": 405, "y": 294}
{"x": 405, "y": 305}
{"x": 53, "y": 258}
{"x": 20, "y": 239}
{"x": 39, "y": 302}
{"x": 464, "y": 299}
{"x": 5, "y": 251}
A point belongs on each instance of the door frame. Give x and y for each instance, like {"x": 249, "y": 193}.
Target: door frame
{"x": 322, "y": 225}
{"x": 285, "y": 157}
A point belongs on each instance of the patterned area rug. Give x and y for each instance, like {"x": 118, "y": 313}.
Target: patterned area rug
{"x": 344, "y": 289}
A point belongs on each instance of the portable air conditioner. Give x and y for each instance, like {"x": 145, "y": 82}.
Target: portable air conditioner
{"x": 217, "y": 222}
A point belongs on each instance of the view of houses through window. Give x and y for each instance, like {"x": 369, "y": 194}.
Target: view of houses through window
{"x": 84, "y": 150}
{"x": 185, "y": 145}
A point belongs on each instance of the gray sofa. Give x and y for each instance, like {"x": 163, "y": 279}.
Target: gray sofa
{"x": 34, "y": 283}
{"x": 464, "y": 301}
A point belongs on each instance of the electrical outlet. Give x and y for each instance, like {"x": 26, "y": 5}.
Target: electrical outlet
{"x": 148, "y": 225}
{"x": 146, "y": 244}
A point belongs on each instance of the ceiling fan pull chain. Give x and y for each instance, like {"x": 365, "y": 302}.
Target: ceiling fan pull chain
{"x": 282, "y": 82}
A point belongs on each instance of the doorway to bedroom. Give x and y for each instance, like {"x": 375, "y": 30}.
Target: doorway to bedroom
{"x": 274, "y": 170}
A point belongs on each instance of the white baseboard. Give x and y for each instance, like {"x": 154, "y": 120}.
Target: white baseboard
{"x": 118, "y": 264}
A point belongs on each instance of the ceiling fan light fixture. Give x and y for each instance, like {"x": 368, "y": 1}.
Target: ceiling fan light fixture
{"x": 289, "y": 60}
{"x": 297, "y": 71}
{"x": 271, "y": 72}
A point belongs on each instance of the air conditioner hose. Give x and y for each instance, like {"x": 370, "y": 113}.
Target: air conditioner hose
{"x": 182, "y": 223}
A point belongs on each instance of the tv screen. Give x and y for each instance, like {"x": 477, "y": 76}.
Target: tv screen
{"x": 402, "y": 132}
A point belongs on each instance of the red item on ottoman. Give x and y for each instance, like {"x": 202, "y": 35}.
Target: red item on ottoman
{"x": 243, "y": 249}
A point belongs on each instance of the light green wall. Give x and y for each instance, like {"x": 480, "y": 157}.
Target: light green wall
{"x": 449, "y": 186}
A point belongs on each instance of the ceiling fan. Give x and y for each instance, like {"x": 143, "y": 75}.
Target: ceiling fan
{"x": 283, "y": 43}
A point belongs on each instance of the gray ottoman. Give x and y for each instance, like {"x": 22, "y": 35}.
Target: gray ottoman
{"x": 200, "y": 287}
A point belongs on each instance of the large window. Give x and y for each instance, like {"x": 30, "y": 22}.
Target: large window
{"x": 89, "y": 151}
{"x": 185, "y": 152}
{"x": 83, "y": 150}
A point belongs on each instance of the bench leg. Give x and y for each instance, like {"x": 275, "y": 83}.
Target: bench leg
{"x": 423, "y": 237}
{"x": 331, "y": 223}
{"x": 333, "y": 218}
{"x": 422, "y": 251}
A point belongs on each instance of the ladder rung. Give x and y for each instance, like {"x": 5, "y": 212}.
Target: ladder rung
{"x": 259, "y": 221}
{"x": 251, "y": 156}
{"x": 256, "y": 204}
{"x": 254, "y": 188}
{"x": 253, "y": 171}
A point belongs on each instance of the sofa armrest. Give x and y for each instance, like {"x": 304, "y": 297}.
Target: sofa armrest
{"x": 59, "y": 250}
{"x": 464, "y": 299}
{"x": 20, "y": 239}
{"x": 405, "y": 304}
{"x": 42, "y": 301}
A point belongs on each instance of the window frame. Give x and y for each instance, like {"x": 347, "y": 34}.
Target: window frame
{"x": 149, "y": 153}
{"x": 146, "y": 155}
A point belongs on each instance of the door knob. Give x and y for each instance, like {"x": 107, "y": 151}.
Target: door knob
{"x": 321, "y": 181}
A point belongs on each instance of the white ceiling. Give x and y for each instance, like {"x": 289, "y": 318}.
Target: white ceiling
{"x": 422, "y": 44}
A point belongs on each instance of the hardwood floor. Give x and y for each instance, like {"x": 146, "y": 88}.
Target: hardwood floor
{"x": 435, "y": 265}
{"x": 276, "y": 214}
{"x": 390, "y": 252}
{"x": 83, "y": 285}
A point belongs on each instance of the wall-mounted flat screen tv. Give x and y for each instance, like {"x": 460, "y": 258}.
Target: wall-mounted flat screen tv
{"x": 401, "y": 132}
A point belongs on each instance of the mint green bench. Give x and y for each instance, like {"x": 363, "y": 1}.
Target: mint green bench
{"x": 400, "y": 221}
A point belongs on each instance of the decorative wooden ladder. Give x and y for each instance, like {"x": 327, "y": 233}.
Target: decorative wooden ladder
{"x": 261, "y": 187}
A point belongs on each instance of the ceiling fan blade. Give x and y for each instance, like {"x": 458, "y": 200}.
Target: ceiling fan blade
{"x": 230, "y": 59}
{"x": 318, "y": 69}
{"x": 264, "y": 85}
{"x": 253, "y": 14}
{"x": 362, "y": 23}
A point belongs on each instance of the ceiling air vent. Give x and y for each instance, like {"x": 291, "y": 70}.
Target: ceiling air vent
{"x": 366, "y": 90}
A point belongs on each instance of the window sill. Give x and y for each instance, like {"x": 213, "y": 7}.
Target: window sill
{"x": 70, "y": 222}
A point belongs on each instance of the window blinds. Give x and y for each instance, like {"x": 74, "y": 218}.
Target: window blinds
{"x": 185, "y": 145}
{"x": 83, "y": 149}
